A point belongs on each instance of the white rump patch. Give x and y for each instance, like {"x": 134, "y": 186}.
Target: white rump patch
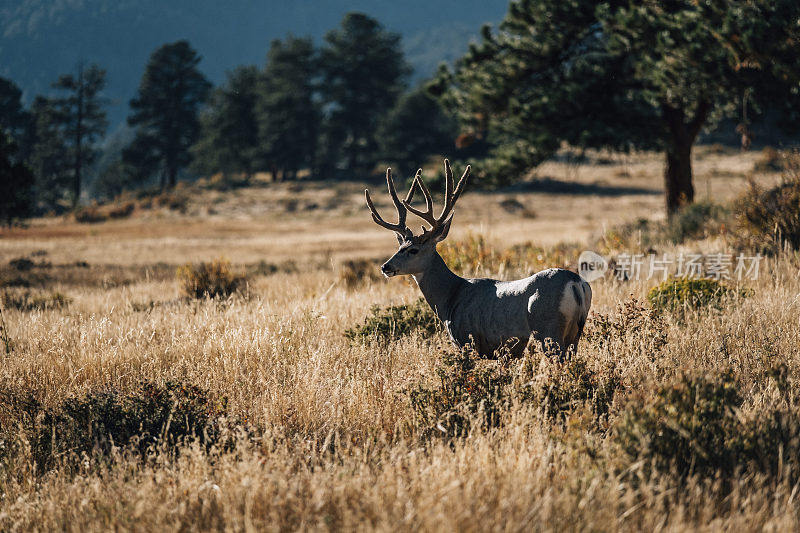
{"x": 568, "y": 307}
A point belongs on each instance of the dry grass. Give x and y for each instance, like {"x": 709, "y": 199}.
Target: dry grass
{"x": 331, "y": 441}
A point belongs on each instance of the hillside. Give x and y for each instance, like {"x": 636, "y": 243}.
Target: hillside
{"x": 40, "y": 39}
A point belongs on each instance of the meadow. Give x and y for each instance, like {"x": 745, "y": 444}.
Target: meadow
{"x": 257, "y": 411}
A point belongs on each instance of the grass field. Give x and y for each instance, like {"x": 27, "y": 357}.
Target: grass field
{"x": 663, "y": 421}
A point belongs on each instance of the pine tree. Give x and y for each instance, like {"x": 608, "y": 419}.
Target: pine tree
{"x": 288, "y": 117}
{"x": 622, "y": 75}
{"x": 48, "y": 155}
{"x": 414, "y": 130}
{"x": 16, "y": 183}
{"x": 165, "y": 112}
{"x": 364, "y": 73}
{"x": 81, "y": 116}
{"x": 228, "y": 129}
{"x": 13, "y": 118}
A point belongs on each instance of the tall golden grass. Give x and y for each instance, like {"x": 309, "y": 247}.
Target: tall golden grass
{"x": 331, "y": 440}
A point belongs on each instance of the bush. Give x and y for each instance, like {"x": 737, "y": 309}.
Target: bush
{"x": 561, "y": 387}
{"x": 473, "y": 256}
{"x": 356, "y": 272}
{"x": 631, "y": 320}
{"x": 679, "y": 294}
{"x": 23, "y": 264}
{"x": 93, "y": 424}
{"x": 90, "y": 215}
{"x": 695, "y": 426}
{"x": 470, "y": 390}
{"x": 34, "y": 301}
{"x": 771, "y": 160}
{"x": 694, "y": 221}
{"x": 386, "y": 324}
{"x": 769, "y": 220}
{"x": 174, "y": 200}
{"x": 210, "y": 280}
{"x": 123, "y": 210}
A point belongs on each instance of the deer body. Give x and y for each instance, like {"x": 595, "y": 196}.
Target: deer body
{"x": 489, "y": 314}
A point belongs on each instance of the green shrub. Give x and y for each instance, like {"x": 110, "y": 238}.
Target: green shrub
{"x": 386, "y": 324}
{"x": 151, "y": 414}
{"x": 34, "y": 301}
{"x": 769, "y": 219}
{"x": 694, "y": 221}
{"x": 694, "y": 426}
{"x": 210, "y": 280}
{"x": 679, "y": 294}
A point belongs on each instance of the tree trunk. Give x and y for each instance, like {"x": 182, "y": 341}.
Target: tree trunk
{"x": 76, "y": 186}
{"x": 678, "y": 176}
{"x": 79, "y": 140}
{"x": 173, "y": 177}
{"x": 678, "y": 171}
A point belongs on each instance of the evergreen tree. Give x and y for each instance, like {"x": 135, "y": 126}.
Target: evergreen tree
{"x": 620, "y": 75}
{"x": 49, "y": 155}
{"x": 228, "y": 129}
{"x": 414, "y": 130}
{"x": 13, "y": 118}
{"x": 165, "y": 112}
{"x": 114, "y": 178}
{"x": 364, "y": 72}
{"x": 81, "y": 116}
{"x": 16, "y": 183}
{"x": 288, "y": 117}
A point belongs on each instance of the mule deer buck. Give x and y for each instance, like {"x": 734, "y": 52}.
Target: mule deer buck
{"x": 489, "y": 314}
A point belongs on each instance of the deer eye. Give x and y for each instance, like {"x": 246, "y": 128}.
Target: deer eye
{"x": 412, "y": 251}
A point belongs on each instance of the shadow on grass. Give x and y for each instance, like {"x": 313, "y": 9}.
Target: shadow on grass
{"x": 554, "y": 186}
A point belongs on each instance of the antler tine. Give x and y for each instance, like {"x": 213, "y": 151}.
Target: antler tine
{"x": 448, "y": 181}
{"x": 401, "y": 209}
{"x": 426, "y": 215}
{"x": 400, "y": 227}
{"x": 451, "y": 196}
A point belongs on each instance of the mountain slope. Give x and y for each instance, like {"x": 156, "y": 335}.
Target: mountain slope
{"x": 41, "y": 38}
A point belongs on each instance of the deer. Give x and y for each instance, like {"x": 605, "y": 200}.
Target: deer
{"x": 490, "y": 316}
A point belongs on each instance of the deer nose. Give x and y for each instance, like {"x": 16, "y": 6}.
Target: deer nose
{"x": 388, "y": 270}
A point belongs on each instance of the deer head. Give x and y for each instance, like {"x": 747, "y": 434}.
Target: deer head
{"x": 416, "y": 251}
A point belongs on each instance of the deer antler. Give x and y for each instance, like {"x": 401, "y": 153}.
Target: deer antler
{"x": 400, "y": 227}
{"x": 450, "y": 197}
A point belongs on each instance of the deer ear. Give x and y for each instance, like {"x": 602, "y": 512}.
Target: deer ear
{"x": 441, "y": 233}
{"x": 400, "y": 239}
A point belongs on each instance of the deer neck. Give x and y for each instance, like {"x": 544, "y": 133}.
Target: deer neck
{"x": 439, "y": 286}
